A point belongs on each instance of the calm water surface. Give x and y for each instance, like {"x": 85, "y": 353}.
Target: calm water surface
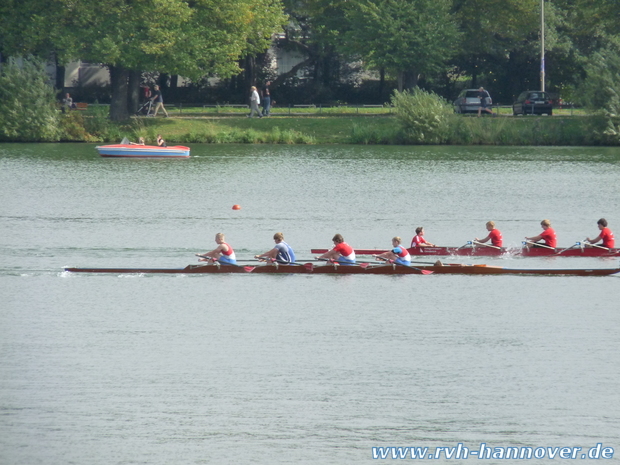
{"x": 98, "y": 369}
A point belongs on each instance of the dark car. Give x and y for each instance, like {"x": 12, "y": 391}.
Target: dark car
{"x": 468, "y": 101}
{"x": 533, "y": 102}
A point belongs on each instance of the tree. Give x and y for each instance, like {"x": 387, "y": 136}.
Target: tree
{"x": 28, "y": 110}
{"x": 193, "y": 38}
{"x": 408, "y": 38}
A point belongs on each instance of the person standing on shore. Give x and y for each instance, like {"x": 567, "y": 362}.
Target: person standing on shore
{"x": 254, "y": 103}
{"x": 483, "y": 95}
{"x": 266, "y": 98}
{"x": 157, "y": 97}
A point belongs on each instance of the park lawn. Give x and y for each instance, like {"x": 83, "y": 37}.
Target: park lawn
{"x": 322, "y": 129}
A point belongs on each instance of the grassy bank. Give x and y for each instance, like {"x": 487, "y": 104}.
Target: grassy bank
{"x": 365, "y": 128}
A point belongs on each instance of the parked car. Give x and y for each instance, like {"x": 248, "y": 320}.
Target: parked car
{"x": 533, "y": 102}
{"x": 468, "y": 101}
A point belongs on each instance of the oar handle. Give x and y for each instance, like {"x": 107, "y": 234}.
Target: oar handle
{"x": 538, "y": 244}
{"x": 597, "y": 246}
{"x": 486, "y": 245}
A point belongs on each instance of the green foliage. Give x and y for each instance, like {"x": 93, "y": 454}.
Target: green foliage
{"x": 28, "y": 109}
{"x": 72, "y": 128}
{"x": 98, "y": 123}
{"x": 424, "y": 116}
{"x": 375, "y": 135}
{"x": 402, "y": 36}
{"x": 612, "y": 130}
{"x": 172, "y": 36}
{"x": 602, "y": 77}
{"x": 601, "y": 88}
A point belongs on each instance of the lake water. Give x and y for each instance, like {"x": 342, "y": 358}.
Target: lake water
{"x": 166, "y": 369}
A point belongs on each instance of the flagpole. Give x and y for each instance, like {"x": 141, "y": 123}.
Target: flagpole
{"x": 542, "y": 45}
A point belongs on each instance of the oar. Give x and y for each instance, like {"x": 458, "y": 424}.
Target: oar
{"x": 576, "y": 244}
{"x": 336, "y": 262}
{"x": 464, "y": 245}
{"x": 307, "y": 266}
{"x": 406, "y": 266}
{"x": 487, "y": 245}
{"x": 597, "y": 246}
{"x": 249, "y": 269}
{"x": 423, "y": 263}
{"x": 538, "y": 244}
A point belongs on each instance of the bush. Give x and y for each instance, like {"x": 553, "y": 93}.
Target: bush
{"x": 28, "y": 108}
{"x": 424, "y": 116}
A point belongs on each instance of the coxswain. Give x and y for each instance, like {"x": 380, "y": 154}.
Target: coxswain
{"x": 548, "y": 235}
{"x": 399, "y": 254}
{"x": 342, "y": 252}
{"x": 223, "y": 253}
{"x": 495, "y": 236}
{"x": 606, "y": 235}
{"x": 281, "y": 253}
{"x": 418, "y": 240}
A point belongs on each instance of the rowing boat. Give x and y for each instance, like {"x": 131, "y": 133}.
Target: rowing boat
{"x": 142, "y": 151}
{"x": 334, "y": 268}
{"x": 486, "y": 251}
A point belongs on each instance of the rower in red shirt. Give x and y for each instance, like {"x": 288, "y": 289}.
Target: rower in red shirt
{"x": 223, "y": 253}
{"x": 548, "y": 235}
{"x": 418, "y": 240}
{"x": 495, "y": 236}
{"x": 342, "y": 252}
{"x": 606, "y": 235}
{"x": 399, "y": 254}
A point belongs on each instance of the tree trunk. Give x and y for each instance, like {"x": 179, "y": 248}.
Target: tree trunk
{"x": 250, "y": 72}
{"x": 410, "y": 79}
{"x": 118, "y": 105}
{"x": 133, "y": 97}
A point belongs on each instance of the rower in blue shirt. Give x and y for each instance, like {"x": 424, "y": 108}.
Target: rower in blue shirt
{"x": 281, "y": 253}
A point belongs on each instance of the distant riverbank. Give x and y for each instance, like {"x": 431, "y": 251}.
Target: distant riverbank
{"x": 372, "y": 129}
{"x": 317, "y": 128}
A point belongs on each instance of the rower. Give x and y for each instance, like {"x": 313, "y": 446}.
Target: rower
{"x": 223, "y": 253}
{"x": 418, "y": 240}
{"x": 281, "y": 253}
{"x": 606, "y": 236}
{"x": 548, "y": 235}
{"x": 399, "y": 254}
{"x": 494, "y": 235}
{"x": 342, "y": 252}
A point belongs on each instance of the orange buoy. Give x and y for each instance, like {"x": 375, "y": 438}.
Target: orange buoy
{"x": 236, "y": 207}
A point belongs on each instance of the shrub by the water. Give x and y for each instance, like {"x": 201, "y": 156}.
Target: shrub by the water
{"x": 28, "y": 108}
{"x": 424, "y": 116}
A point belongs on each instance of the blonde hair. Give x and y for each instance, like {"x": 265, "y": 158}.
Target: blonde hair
{"x": 397, "y": 239}
{"x": 491, "y": 223}
{"x": 545, "y": 223}
{"x": 220, "y": 236}
{"x": 278, "y": 236}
